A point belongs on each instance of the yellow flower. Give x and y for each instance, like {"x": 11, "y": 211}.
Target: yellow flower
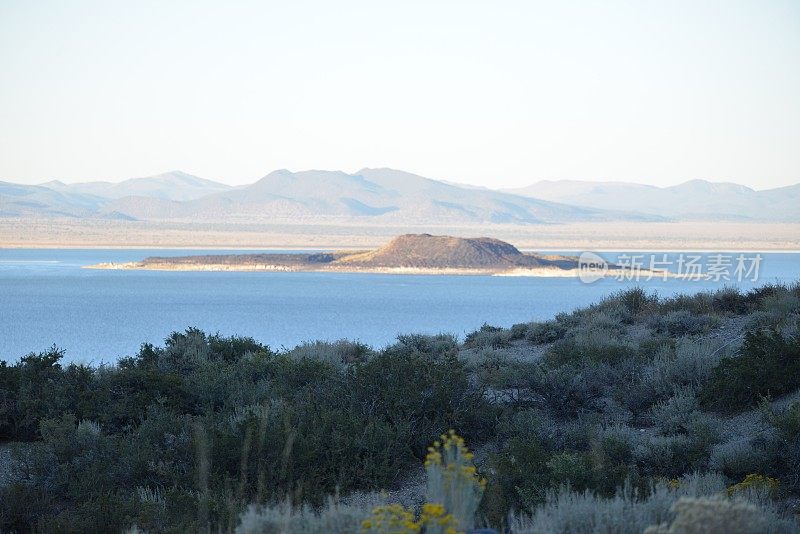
{"x": 755, "y": 481}
{"x": 393, "y": 518}
{"x": 433, "y": 509}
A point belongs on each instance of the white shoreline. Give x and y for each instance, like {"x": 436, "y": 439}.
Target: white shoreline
{"x": 538, "y": 272}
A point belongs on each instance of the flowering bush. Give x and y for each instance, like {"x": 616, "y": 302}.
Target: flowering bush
{"x": 454, "y": 491}
{"x": 452, "y": 479}
{"x": 391, "y": 518}
{"x": 396, "y": 519}
{"x": 756, "y": 486}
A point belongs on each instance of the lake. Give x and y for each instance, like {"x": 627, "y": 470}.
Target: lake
{"x": 47, "y": 298}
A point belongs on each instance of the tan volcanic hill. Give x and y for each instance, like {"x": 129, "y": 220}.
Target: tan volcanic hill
{"x": 432, "y": 252}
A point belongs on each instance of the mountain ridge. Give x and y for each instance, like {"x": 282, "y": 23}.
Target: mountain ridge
{"x": 691, "y": 200}
{"x": 379, "y": 196}
{"x": 172, "y": 185}
{"x": 375, "y": 196}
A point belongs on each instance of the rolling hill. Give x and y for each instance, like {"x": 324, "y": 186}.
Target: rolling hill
{"x": 175, "y": 185}
{"x": 34, "y": 200}
{"x": 433, "y": 251}
{"x": 692, "y": 200}
{"x": 375, "y": 197}
{"x": 379, "y": 196}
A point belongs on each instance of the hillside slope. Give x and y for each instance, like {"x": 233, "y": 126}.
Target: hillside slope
{"x": 694, "y": 396}
{"x": 371, "y": 197}
{"x": 428, "y": 251}
{"x": 692, "y": 200}
{"x": 33, "y": 200}
{"x": 379, "y": 197}
{"x": 174, "y": 185}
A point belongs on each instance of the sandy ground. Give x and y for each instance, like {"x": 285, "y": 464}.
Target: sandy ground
{"x": 695, "y": 236}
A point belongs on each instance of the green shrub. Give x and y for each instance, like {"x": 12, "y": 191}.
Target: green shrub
{"x": 273, "y": 425}
{"x": 8, "y": 400}
{"x": 424, "y": 392}
{"x": 234, "y": 348}
{"x": 681, "y": 323}
{"x": 676, "y": 414}
{"x": 22, "y": 506}
{"x": 730, "y": 300}
{"x": 572, "y": 469}
{"x": 489, "y": 336}
{"x": 737, "y": 458}
{"x": 631, "y": 512}
{"x": 636, "y": 300}
{"x": 36, "y": 383}
{"x": 333, "y": 518}
{"x": 781, "y": 304}
{"x": 767, "y": 296}
{"x": 569, "y": 391}
{"x": 340, "y": 353}
{"x": 626, "y": 512}
{"x": 786, "y": 421}
{"x": 612, "y": 459}
{"x": 547, "y": 332}
{"x": 434, "y": 346}
{"x": 131, "y": 391}
{"x": 698, "y": 516}
{"x": 589, "y": 346}
{"x": 701, "y": 303}
{"x": 518, "y": 331}
{"x": 767, "y": 365}
{"x": 185, "y": 436}
{"x": 784, "y": 447}
{"x": 521, "y": 476}
{"x": 686, "y": 364}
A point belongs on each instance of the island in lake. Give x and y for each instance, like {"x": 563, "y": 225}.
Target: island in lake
{"x": 405, "y": 254}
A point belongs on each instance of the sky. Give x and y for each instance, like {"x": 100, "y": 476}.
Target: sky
{"x": 491, "y": 93}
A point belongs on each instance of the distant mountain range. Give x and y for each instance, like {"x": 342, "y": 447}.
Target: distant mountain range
{"x": 96, "y": 199}
{"x": 387, "y": 196}
{"x": 692, "y": 200}
{"x": 175, "y": 185}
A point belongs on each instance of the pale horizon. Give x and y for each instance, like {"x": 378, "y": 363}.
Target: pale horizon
{"x": 499, "y": 96}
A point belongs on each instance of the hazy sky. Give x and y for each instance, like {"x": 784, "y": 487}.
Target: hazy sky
{"x": 484, "y": 92}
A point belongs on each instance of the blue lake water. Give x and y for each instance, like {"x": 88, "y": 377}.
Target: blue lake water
{"x": 97, "y": 316}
